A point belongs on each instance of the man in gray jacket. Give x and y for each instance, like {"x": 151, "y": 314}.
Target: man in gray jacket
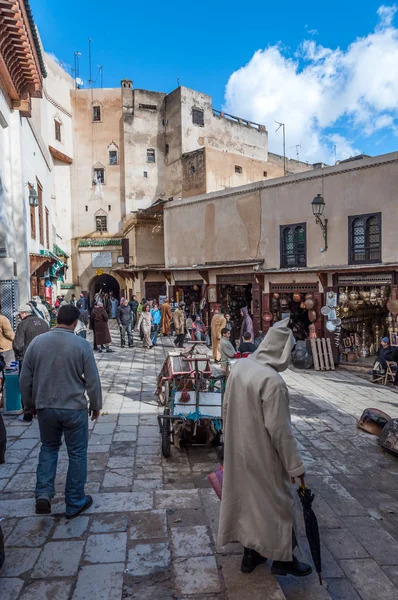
{"x": 58, "y": 368}
{"x": 124, "y": 316}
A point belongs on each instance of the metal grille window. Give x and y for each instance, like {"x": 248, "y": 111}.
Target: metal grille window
{"x": 364, "y": 238}
{"x": 41, "y": 224}
{"x": 113, "y": 157}
{"x": 98, "y": 176}
{"x": 47, "y": 229}
{"x": 293, "y": 245}
{"x": 150, "y": 155}
{"x": 101, "y": 223}
{"x": 198, "y": 117}
{"x": 96, "y": 114}
{"x": 57, "y": 126}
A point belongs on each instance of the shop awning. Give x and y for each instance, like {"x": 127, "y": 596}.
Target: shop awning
{"x": 125, "y": 274}
{"x": 40, "y": 263}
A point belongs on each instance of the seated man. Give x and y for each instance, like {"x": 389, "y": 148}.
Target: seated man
{"x": 385, "y": 353}
{"x": 199, "y": 331}
{"x": 247, "y": 345}
{"x": 226, "y": 348}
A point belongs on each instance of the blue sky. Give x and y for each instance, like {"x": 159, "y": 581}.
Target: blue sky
{"x": 312, "y": 72}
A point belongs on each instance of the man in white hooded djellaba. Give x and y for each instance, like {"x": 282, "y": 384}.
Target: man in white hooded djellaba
{"x": 260, "y": 458}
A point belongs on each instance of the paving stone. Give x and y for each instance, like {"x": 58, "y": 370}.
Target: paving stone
{"x": 31, "y": 532}
{"x": 368, "y": 579}
{"x": 194, "y": 575}
{"x": 104, "y": 428}
{"x": 21, "y": 483}
{"x": 106, "y": 548}
{"x": 62, "y": 558}
{"x": 377, "y": 541}
{"x": 190, "y": 541}
{"x": 121, "y": 502}
{"x": 97, "y": 440}
{"x": 10, "y": 588}
{"x": 8, "y": 469}
{"x": 119, "y": 479}
{"x": 148, "y": 525}
{"x": 177, "y": 499}
{"x": 146, "y": 559}
{"x": 259, "y": 585}
{"x": 18, "y": 561}
{"x": 141, "y": 485}
{"x": 102, "y": 582}
{"x": 149, "y": 591}
{"x": 120, "y": 462}
{"x": 47, "y": 590}
{"x": 392, "y": 573}
{"x": 23, "y": 444}
{"x": 112, "y": 522}
{"x": 123, "y": 449}
{"x": 71, "y": 529}
{"x": 97, "y": 461}
{"x": 127, "y": 421}
{"x": 343, "y": 544}
{"x": 342, "y": 590}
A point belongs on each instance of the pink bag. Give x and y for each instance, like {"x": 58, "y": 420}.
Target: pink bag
{"x": 216, "y": 479}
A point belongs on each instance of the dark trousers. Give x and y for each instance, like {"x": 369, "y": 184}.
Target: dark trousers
{"x": 123, "y": 330}
{"x": 27, "y": 414}
{"x": 179, "y": 342}
{"x": 3, "y": 439}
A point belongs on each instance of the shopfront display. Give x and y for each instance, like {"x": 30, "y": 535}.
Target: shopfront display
{"x": 301, "y": 303}
{"x": 189, "y": 292}
{"x": 234, "y": 292}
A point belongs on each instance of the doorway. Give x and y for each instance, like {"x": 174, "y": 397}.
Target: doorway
{"x": 104, "y": 283}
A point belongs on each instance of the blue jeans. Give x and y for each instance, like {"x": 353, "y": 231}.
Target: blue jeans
{"x": 154, "y": 336}
{"x": 53, "y": 422}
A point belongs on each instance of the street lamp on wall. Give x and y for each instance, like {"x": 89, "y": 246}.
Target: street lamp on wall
{"x": 318, "y": 206}
{"x": 33, "y": 197}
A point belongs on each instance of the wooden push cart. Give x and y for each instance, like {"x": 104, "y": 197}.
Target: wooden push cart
{"x": 192, "y": 393}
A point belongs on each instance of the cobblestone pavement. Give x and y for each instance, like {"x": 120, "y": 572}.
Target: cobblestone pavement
{"x": 151, "y": 532}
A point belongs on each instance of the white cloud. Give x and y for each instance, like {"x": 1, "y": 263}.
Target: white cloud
{"x": 321, "y": 88}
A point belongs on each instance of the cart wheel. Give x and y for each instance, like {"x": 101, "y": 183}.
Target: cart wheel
{"x": 166, "y": 434}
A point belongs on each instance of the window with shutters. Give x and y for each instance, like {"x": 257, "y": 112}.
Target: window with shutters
{"x": 293, "y": 245}
{"x": 57, "y": 127}
{"x": 101, "y": 223}
{"x": 47, "y": 228}
{"x": 198, "y": 117}
{"x": 97, "y": 117}
{"x": 40, "y": 208}
{"x": 32, "y": 219}
{"x": 364, "y": 233}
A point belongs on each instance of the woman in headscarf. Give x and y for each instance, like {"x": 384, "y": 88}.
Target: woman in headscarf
{"x": 260, "y": 458}
{"x": 145, "y": 325}
{"x": 99, "y": 325}
{"x": 247, "y": 324}
{"x": 217, "y": 323}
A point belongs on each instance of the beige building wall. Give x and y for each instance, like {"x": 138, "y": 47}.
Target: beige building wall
{"x": 245, "y": 223}
{"x": 92, "y": 143}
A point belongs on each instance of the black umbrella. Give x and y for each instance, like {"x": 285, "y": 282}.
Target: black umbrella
{"x": 311, "y": 528}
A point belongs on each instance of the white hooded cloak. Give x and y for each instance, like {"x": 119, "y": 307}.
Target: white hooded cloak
{"x": 260, "y": 452}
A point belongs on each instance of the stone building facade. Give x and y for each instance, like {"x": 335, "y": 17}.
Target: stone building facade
{"x": 149, "y": 147}
{"x": 261, "y": 242}
{"x": 34, "y": 165}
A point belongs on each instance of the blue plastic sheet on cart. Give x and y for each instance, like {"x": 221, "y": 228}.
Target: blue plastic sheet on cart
{"x": 197, "y": 416}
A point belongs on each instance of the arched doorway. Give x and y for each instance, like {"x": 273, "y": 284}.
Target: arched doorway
{"x": 104, "y": 283}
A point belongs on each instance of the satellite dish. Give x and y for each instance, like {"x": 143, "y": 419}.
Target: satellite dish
{"x": 79, "y": 81}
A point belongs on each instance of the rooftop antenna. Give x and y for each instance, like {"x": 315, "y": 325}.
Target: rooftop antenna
{"x": 101, "y": 72}
{"x": 178, "y": 81}
{"x": 76, "y": 69}
{"x": 284, "y": 144}
{"x": 297, "y": 146}
{"x": 90, "y": 81}
{"x": 335, "y": 154}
